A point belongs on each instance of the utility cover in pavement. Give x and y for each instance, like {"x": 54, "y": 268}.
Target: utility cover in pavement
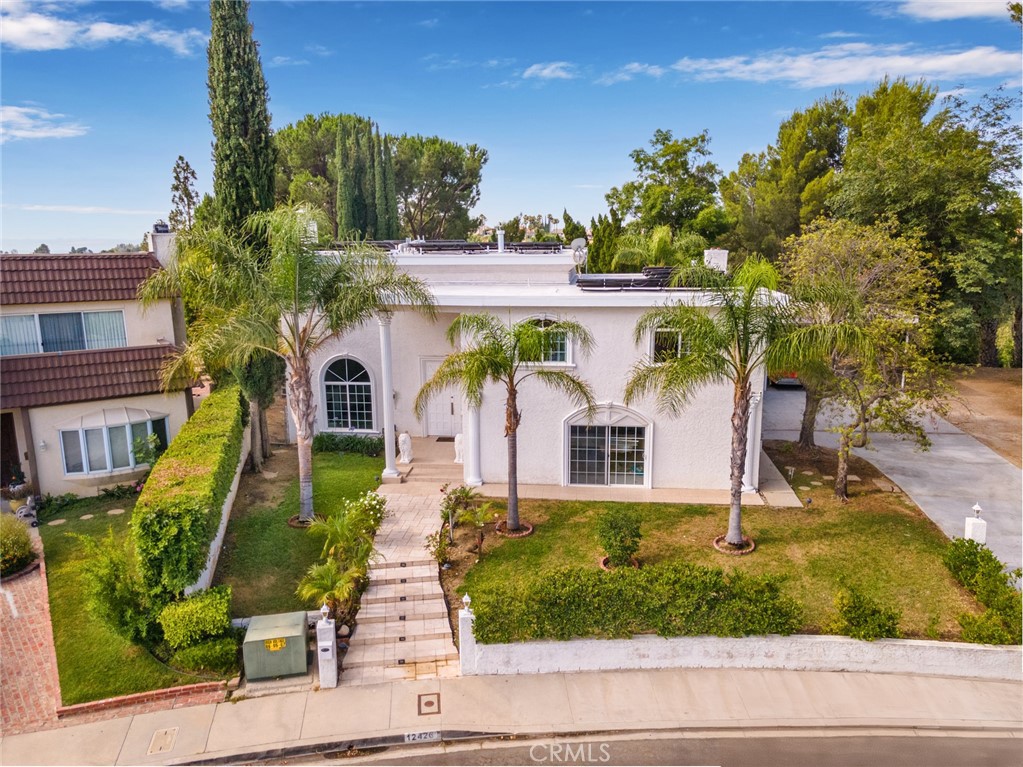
{"x": 163, "y": 741}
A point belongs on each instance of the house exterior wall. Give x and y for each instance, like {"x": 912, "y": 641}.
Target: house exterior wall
{"x": 140, "y": 328}
{"x": 46, "y": 422}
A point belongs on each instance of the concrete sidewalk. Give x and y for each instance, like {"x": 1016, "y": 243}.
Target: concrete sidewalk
{"x": 428, "y": 710}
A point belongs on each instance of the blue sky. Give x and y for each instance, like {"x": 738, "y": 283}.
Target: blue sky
{"x": 100, "y": 98}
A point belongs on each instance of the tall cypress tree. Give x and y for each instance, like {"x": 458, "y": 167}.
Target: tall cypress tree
{"x": 391, "y": 191}
{"x": 369, "y": 182}
{"x": 346, "y": 222}
{"x": 244, "y": 156}
{"x": 383, "y": 230}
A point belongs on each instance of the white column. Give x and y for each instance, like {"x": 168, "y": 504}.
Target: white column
{"x": 471, "y": 450}
{"x": 387, "y": 394}
{"x": 751, "y": 474}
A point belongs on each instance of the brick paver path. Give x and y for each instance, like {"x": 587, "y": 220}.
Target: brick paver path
{"x": 29, "y": 687}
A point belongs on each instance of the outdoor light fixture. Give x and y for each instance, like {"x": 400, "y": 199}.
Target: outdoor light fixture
{"x": 466, "y": 601}
{"x": 42, "y": 445}
{"x": 977, "y": 510}
{"x": 324, "y": 611}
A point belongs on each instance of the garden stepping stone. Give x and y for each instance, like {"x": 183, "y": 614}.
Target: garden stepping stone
{"x": 853, "y": 478}
{"x": 115, "y": 512}
{"x": 817, "y": 484}
{"x": 269, "y": 474}
{"x": 85, "y": 516}
{"x": 809, "y": 473}
{"x": 54, "y": 522}
{"x": 804, "y": 487}
{"x": 827, "y": 476}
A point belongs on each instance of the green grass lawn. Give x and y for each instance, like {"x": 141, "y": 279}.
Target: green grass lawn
{"x": 93, "y": 661}
{"x": 877, "y": 543}
{"x": 263, "y": 559}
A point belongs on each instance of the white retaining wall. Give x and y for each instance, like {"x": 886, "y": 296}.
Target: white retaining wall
{"x": 793, "y": 653}
{"x": 225, "y": 513}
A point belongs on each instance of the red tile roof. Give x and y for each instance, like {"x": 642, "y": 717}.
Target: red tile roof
{"x": 62, "y": 278}
{"x": 38, "y": 380}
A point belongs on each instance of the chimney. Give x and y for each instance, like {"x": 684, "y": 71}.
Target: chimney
{"x": 162, "y": 244}
{"x": 500, "y": 240}
{"x": 716, "y": 258}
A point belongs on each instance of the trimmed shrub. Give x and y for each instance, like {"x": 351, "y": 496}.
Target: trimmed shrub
{"x": 673, "y": 599}
{"x": 860, "y": 617}
{"x": 981, "y": 572}
{"x": 202, "y": 616}
{"x": 327, "y": 442}
{"x": 16, "y": 551}
{"x": 619, "y": 535}
{"x": 114, "y": 591}
{"x": 178, "y": 511}
{"x": 218, "y": 656}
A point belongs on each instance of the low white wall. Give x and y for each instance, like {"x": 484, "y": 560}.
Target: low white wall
{"x": 225, "y": 513}
{"x": 793, "y": 653}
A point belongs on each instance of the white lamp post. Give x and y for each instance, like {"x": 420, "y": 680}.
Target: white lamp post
{"x": 976, "y": 528}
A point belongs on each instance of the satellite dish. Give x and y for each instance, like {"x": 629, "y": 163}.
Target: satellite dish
{"x": 579, "y": 250}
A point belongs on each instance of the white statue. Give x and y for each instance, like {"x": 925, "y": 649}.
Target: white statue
{"x": 458, "y": 448}
{"x": 404, "y": 447}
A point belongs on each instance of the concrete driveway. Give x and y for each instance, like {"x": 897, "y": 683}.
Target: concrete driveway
{"x": 945, "y": 481}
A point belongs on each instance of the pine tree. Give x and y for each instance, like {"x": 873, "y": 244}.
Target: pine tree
{"x": 390, "y": 191}
{"x": 369, "y": 182}
{"x": 183, "y": 196}
{"x": 383, "y": 230}
{"x": 572, "y": 229}
{"x": 346, "y": 223}
{"x": 244, "y": 155}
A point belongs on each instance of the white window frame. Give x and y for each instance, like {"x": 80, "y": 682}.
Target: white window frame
{"x": 681, "y": 348}
{"x": 568, "y": 362}
{"x": 375, "y": 428}
{"x": 88, "y": 470}
{"x": 80, "y": 313}
{"x": 608, "y": 414}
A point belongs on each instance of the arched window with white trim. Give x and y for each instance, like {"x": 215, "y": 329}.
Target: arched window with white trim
{"x": 560, "y": 351}
{"x": 612, "y": 449}
{"x": 348, "y": 395}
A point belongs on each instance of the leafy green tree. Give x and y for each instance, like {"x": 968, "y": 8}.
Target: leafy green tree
{"x": 492, "y": 352}
{"x": 572, "y": 230}
{"x": 658, "y": 248}
{"x": 244, "y": 155}
{"x": 869, "y": 277}
{"x": 437, "y": 184}
{"x": 287, "y": 302}
{"x": 183, "y": 196}
{"x": 745, "y": 329}
{"x": 43, "y": 248}
{"x": 513, "y": 229}
{"x": 604, "y": 242}
{"x": 674, "y": 182}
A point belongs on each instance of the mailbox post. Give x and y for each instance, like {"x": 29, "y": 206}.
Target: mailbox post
{"x": 326, "y": 650}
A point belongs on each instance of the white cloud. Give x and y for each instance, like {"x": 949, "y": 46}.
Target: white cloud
{"x": 319, "y": 50}
{"x": 172, "y": 5}
{"x": 838, "y": 34}
{"x": 286, "y": 61}
{"x": 853, "y": 63}
{"x": 629, "y": 71}
{"x": 83, "y": 209}
{"x": 553, "y": 70}
{"x": 943, "y": 10}
{"x": 29, "y": 30}
{"x": 428, "y": 23}
{"x": 35, "y": 123}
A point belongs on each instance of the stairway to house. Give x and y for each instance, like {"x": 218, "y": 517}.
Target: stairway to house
{"x": 402, "y": 629}
{"x": 433, "y": 463}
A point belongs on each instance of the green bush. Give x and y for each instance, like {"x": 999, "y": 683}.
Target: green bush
{"x": 860, "y": 617}
{"x": 204, "y": 615}
{"x": 328, "y": 442}
{"x": 981, "y": 572}
{"x": 456, "y": 500}
{"x": 178, "y": 511}
{"x": 114, "y": 590}
{"x": 619, "y": 535}
{"x": 673, "y": 599}
{"x": 16, "y": 550}
{"x": 218, "y": 656}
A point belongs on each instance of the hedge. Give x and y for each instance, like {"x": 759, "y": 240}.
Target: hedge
{"x": 201, "y": 617}
{"x": 328, "y": 442}
{"x": 178, "y": 512}
{"x": 16, "y": 550}
{"x": 981, "y": 572}
{"x": 673, "y": 599}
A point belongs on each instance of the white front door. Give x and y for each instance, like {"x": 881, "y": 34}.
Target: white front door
{"x": 444, "y": 413}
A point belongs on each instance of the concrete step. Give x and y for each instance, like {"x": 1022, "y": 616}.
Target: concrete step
{"x": 453, "y": 472}
{"x": 402, "y": 592}
{"x": 399, "y": 653}
{"x": 382, "y": 612}
{"x": 391, "y": 575}
{"x": 397, "y": 632}
{"x": 387, "y": 564}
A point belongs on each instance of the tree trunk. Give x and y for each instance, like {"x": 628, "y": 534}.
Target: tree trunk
{"x": 842, "y": 471}
{"x": 989, "y": 342}
{"x": 303, "y": 411}
{"x": 255, "y": 430}
{"x": 740, "y": 434}
{"x": 264, "y": 429}
{"x": 1017, "y": 337}
{"x": 809, "y": 422}
{"x": 511, "y": 426}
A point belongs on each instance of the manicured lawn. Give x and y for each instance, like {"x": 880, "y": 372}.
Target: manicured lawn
{"x": 263, "y": 559}
{"x": 878, "y": 543}
{"x": 93, "y": 661}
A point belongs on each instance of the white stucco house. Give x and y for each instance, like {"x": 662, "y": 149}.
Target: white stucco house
{"x": 366, "y": 382}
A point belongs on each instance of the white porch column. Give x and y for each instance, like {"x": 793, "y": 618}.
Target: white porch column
{"x": 387, "y": 394}
{"x": 751, "y": 474}
{"x": 472, "y": 467}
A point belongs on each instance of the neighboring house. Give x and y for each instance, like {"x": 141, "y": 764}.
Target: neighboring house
{"x": 558, "y": 445}
{"x": 80, "y": 369}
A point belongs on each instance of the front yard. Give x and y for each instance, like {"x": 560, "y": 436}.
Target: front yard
{"x": 878, "y": 543}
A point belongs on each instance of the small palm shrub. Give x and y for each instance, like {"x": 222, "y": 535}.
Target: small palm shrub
{"x": 478, "y": 517}
{"x": 16, "y": 550}
{"x": 456, "y": 500}
{"x": 619, "y": 535}
{"x": 329, "y": 583}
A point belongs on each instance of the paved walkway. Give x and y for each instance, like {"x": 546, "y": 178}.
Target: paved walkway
{"x": 945, "y": 482}
{"x": 690, "y": 701}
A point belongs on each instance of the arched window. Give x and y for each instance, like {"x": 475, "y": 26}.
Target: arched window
{"x": 612, "y": 449}
{"x": 348, "y": 395}
{"x": 559, "y": 350}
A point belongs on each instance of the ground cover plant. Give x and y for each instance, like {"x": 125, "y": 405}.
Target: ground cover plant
{"x": 263, "y": 559}
{"x": 877, "y": 544}
{"x": 93, "y": 661}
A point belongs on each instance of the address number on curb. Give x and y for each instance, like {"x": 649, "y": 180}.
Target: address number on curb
{"x": 422, "y": 737}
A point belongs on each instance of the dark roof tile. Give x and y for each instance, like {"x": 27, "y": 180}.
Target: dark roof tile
{"x": 61, "y": 278}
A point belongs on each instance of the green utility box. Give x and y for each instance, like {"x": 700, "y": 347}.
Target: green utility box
{"x": 275, "y": 645}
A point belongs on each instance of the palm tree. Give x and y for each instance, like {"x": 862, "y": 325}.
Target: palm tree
{"x": 287, "y": 300}
{"x": 658, "y": 248}
{"x": 748, "y": 327}
{"x": 332, "y": 584}
{"x": 493, "y": 352}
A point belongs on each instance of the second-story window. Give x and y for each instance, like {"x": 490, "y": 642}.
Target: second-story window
{"x": 61, "y": 332}
{"x": 668, "y": 345}
{"x": 557, "y": 349}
